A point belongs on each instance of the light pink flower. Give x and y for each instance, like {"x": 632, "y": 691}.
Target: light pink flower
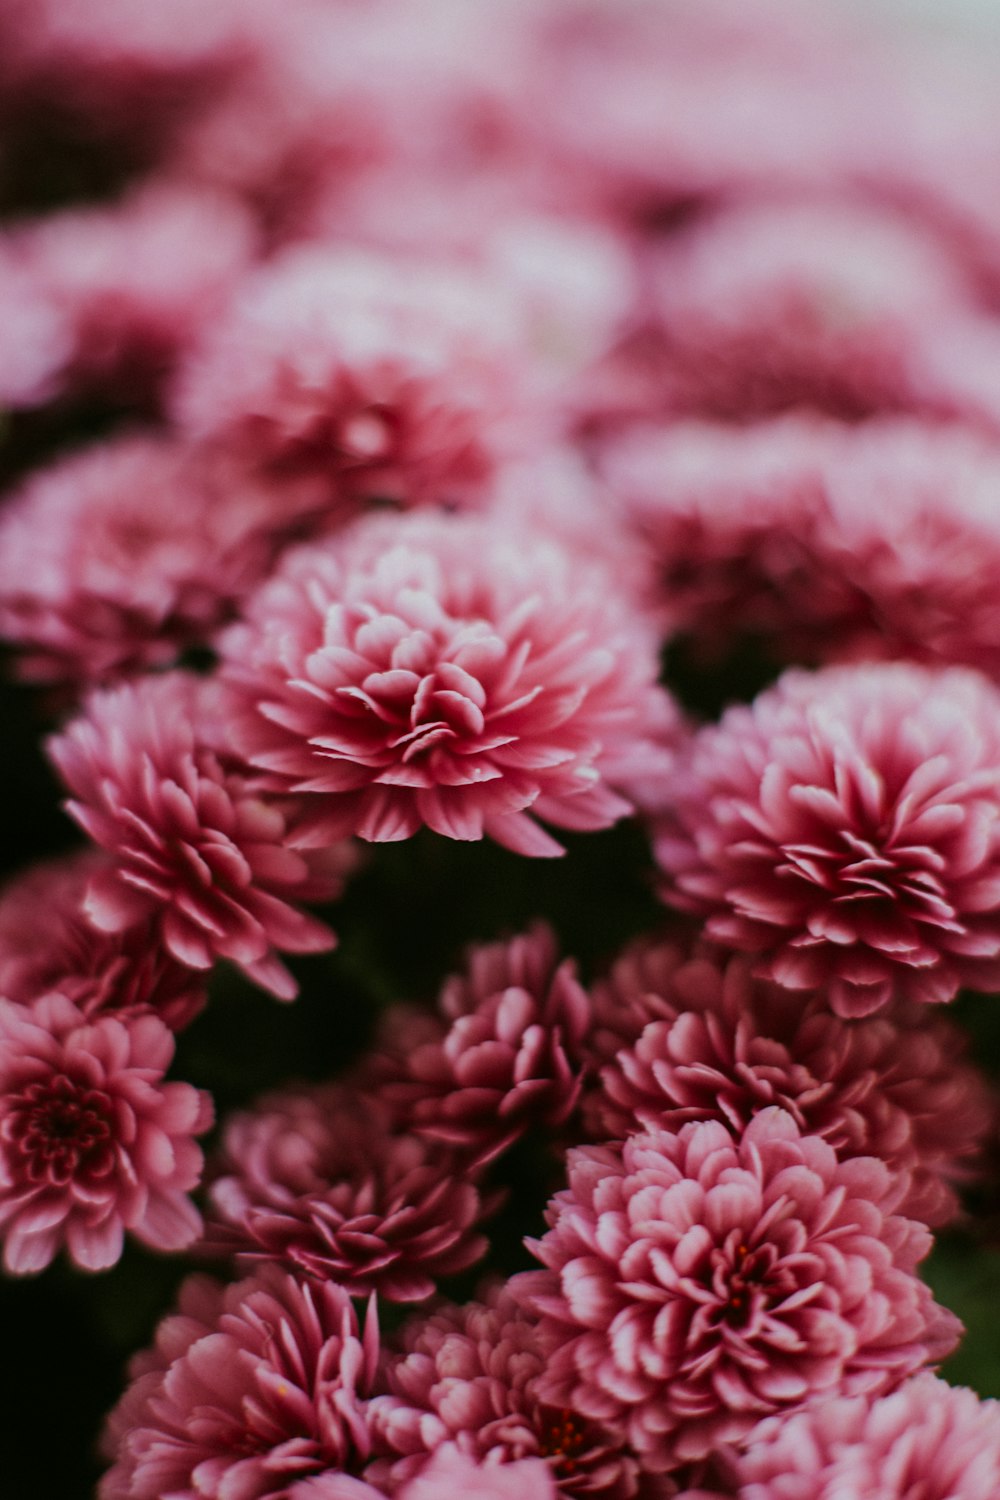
{"x": 38, "y": 338}
{"x": 317, "y": 1179}
{"x": 248, "y": 1389}
{"x": 696, "y": 1283}
{"x": 926, "y": 1441}
{"x": 844, "y": 828}
{"x": 725, "y": 1046}
{"x": 508, "y": 1056}
{"x": 380, "y": 378}
{"x": 92, "y": 1141}
{"x": 431, "y": 671}
{"x": 193, "y": 847}
{"x": 123, "y": 554}
{"x": 448, "y": 1475}
{"x": 467, "y": 1380}
{"x": 48, "y": 943}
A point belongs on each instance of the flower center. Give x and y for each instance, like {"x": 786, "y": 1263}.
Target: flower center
{"x": 60, "y": 1129}
{"x": 562, "y": 1436}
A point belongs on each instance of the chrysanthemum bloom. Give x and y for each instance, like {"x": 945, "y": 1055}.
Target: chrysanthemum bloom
{"x": 431, "y": 671}
{"x": 125, "y": 553}
{"x": 844, "y": 828}
{"x": 926, "y": 1441}
{"x": 92, "y": 1141}
{"x": 193, "y": 847}
{"x": 248, "y": 1389}
{"x": 896, "y": 1086}
{"x": 448, "y": 1475}
{"x": 37, "y": 340}
{"x": 47, "y": 942}
{"x": 380, "y": 378}
{"x": 467, "y": 1378}
{"x": 511, "y": 1057}
{"x": 696, "y": 1283}
{"x": 318, "y": 1179}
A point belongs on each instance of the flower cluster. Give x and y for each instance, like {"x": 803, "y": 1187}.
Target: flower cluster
{"x": 436, "y": 439}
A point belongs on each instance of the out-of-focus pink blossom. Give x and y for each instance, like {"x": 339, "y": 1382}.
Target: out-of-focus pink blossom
{"x": 317, "y": 1179}
{"x": 467, "y": 1380}
{"x": 194, "y": 848}
{"x": 509, "y": 1053}
{"x": 48, "y": 943}
{"x": 722, "y": 1045}
{"x": 38, "y": 339}
{"x": 431, "y": 671}
{"x": 695, "y": 1283}
{"x": 248, "y": 1390}
{"x": 92, "y": 1141}
{"x": 844, "y": 828}
{"x": 448, "y": 1475}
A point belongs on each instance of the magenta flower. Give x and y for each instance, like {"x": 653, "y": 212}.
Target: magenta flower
{"x": 248, "y": 1389}
{"x": 194, "y": 848}
{"x": 92, "y": 1141}
{"x": 725, "y": 1046}
{"x": 844, "y": 828}
{"x": 48, "y": 943}
{"x": 695, "y": 1283}
{"x": 927, "y": 1439}
{"x": 512, "y": 1056}
{"x": 430, "y": 671}
{"x": 318, "y": 1180}
{"x": 380, "y": 378}
{"x": 467, "y": 1382}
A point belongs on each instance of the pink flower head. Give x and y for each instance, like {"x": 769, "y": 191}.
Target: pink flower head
{"x": 844, "y": 828}
{"x": 448, "y": 1475}
{"x": 193, "y": 847}
{"x": 249, "y": 1389}
{"x": 121, "y": 555}
{"x": 511, "y": 1057}
{"x": 317, "y": 1179}
{"x": 92, "y": 1141}
{"x": 927, "y": 1440}
{"x": 379, "y": 378}
{"x": 696, "y": 1283}
{"x": 433, "y": 671}
{"x": 723, "y": 1045}
{"x": 467, "y": 1380}
{"x": 48, "y": 943}
{"x": 38, "y": 338}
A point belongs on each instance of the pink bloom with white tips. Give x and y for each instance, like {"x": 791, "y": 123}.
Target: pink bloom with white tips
{"x": 695, "y": 1283}
{"x": 92, "y": 1141}
{"x": 193, "y": 847}
{"x": 432, "y": 671}
{"x": 845, "y": 828}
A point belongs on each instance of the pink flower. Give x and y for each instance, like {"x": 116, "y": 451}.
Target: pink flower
{"x": 724, "y": 1046}
{"x": 467, "y": 1381}
{"x": 695, "y": 1283}
{"x": 92, "y": 1141}
{"x": 512, "y": 1056}
{"x": 48, "y": 943}
{"x": 378, "y": 378}
{"x": 37, "y": 336}
{"x": 318, "y": 1180}
{"x": 248, "y": 1389}
{"x": 448, "y": 1475}
{"x": 123, "y": 554}
{"x": 845, "y": 829}
{"x": 431, "y": 671}
{"x": 926, "y": 1439}
{"x": 193, "y": 847}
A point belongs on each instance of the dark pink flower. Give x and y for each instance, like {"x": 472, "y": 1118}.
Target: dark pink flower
{"x": 695, "y": 1283}
{"x": 723, "y": 1045}
{"x": 926, "y": 1441}
{"x": 844, "y": 828}
{"x": 467, "y": 1379}
{"x": 92, "y": 1141}
{"x": 48, "y": 943}
{"x": 318, "y": 1179}
{"x": 509, "y": 1054}
{"x": 432, "y": 671}
{"x": 123, "y": 554}
{"x": 248, "y": 1389}
{"x": 380, "y": 379}
{"x": 193, "y": 847}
